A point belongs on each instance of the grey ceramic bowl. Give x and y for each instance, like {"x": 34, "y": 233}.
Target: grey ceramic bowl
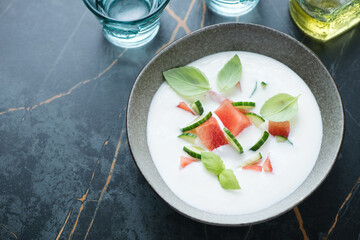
{"x": 231, "y": 37}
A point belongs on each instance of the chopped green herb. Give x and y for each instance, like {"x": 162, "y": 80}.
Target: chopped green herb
{"x": 253, "y": 90}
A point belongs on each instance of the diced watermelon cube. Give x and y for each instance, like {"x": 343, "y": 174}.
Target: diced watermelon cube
{"x": 184, "y": 161}
{"x": 267, "y": 165}
{"x": 253, "y": 167}
{"x": 185, "y": 107}
{"x": 238, "y": 85}
{"x": 210, "y": 134}
{"x": 279, "y": 128}
{"x": 233, "y": 119}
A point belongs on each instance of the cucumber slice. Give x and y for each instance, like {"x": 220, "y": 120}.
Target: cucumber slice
{"x": 233, "y": 141}
{"x": 197, "y": 122}
{"x": 189, "y": 137}
{"x": 194, "y": 151}
{"x": 197, "y": 107}
{"x": 282, "y": 139}
{"x": 244, "y": 105}
{"x": 252, "y": 160}
{"x": 255, "y": 119}
{"x": 261, "y": 142}
{"x": 263, "y": 84}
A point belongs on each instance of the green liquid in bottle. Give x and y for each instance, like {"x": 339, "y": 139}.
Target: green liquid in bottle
{"x": 325, "y": 19}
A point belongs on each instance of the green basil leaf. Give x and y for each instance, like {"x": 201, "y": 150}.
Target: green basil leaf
{"x": 230, "y": 74}
{"x": 212, "y": 162}
{"x": 279, "y": 108}
{"x": 228, "y": 180}
{"x": 187, "y": 81}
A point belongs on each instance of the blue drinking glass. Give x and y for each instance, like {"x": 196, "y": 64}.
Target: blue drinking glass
{"x": 231, "y": 8}
{"x": 128, "y": 23}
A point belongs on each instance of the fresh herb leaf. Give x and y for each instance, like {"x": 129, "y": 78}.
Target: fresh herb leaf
{"x": 187, "y": 81}
{"x": 215, "y": 165}
{"x": 230, "y": 74}
{"x": 253, "y": 90}
{"x": 263, "y": 84}
{"x": 228, "y": 180}
{"x": 279, "y": 108}
{"x": 212, "y": 162}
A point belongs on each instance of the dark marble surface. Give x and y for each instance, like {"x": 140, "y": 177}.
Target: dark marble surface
{"x": 65, "y": 167}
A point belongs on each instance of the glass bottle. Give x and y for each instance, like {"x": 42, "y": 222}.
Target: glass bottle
{"x": 325, "y": 19}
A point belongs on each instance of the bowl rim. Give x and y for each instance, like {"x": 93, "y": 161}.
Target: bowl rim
{"x": 314, "y": 186}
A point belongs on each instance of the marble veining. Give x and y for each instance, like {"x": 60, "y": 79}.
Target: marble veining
{"x": 66, "y": 171}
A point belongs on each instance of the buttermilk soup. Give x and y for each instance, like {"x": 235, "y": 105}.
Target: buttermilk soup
{"x": 234, "y": 132}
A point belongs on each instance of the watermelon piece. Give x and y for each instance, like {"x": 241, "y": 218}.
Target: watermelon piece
{"x": 184, "y": 161}
{"x": 193, "y": 131}
{"x": 244, "y": 111}
{"x": 279, "y": 128}
{"x": 210, "y": 134}
{"x": 185, "y": 107}
{"x": 267, "y": 165}
{"x": 216, "y": 96}
{"x": 253, "y": 167}
{"x": 233, "y": 119}
{"x": 238, "y": 85}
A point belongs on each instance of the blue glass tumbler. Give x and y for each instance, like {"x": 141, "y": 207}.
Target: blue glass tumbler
{"x": 128, "y": 23}
{"x": 231, "y": 8}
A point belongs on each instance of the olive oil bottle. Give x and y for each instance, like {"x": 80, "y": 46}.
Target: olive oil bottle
{"x": 325, "y": 19}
